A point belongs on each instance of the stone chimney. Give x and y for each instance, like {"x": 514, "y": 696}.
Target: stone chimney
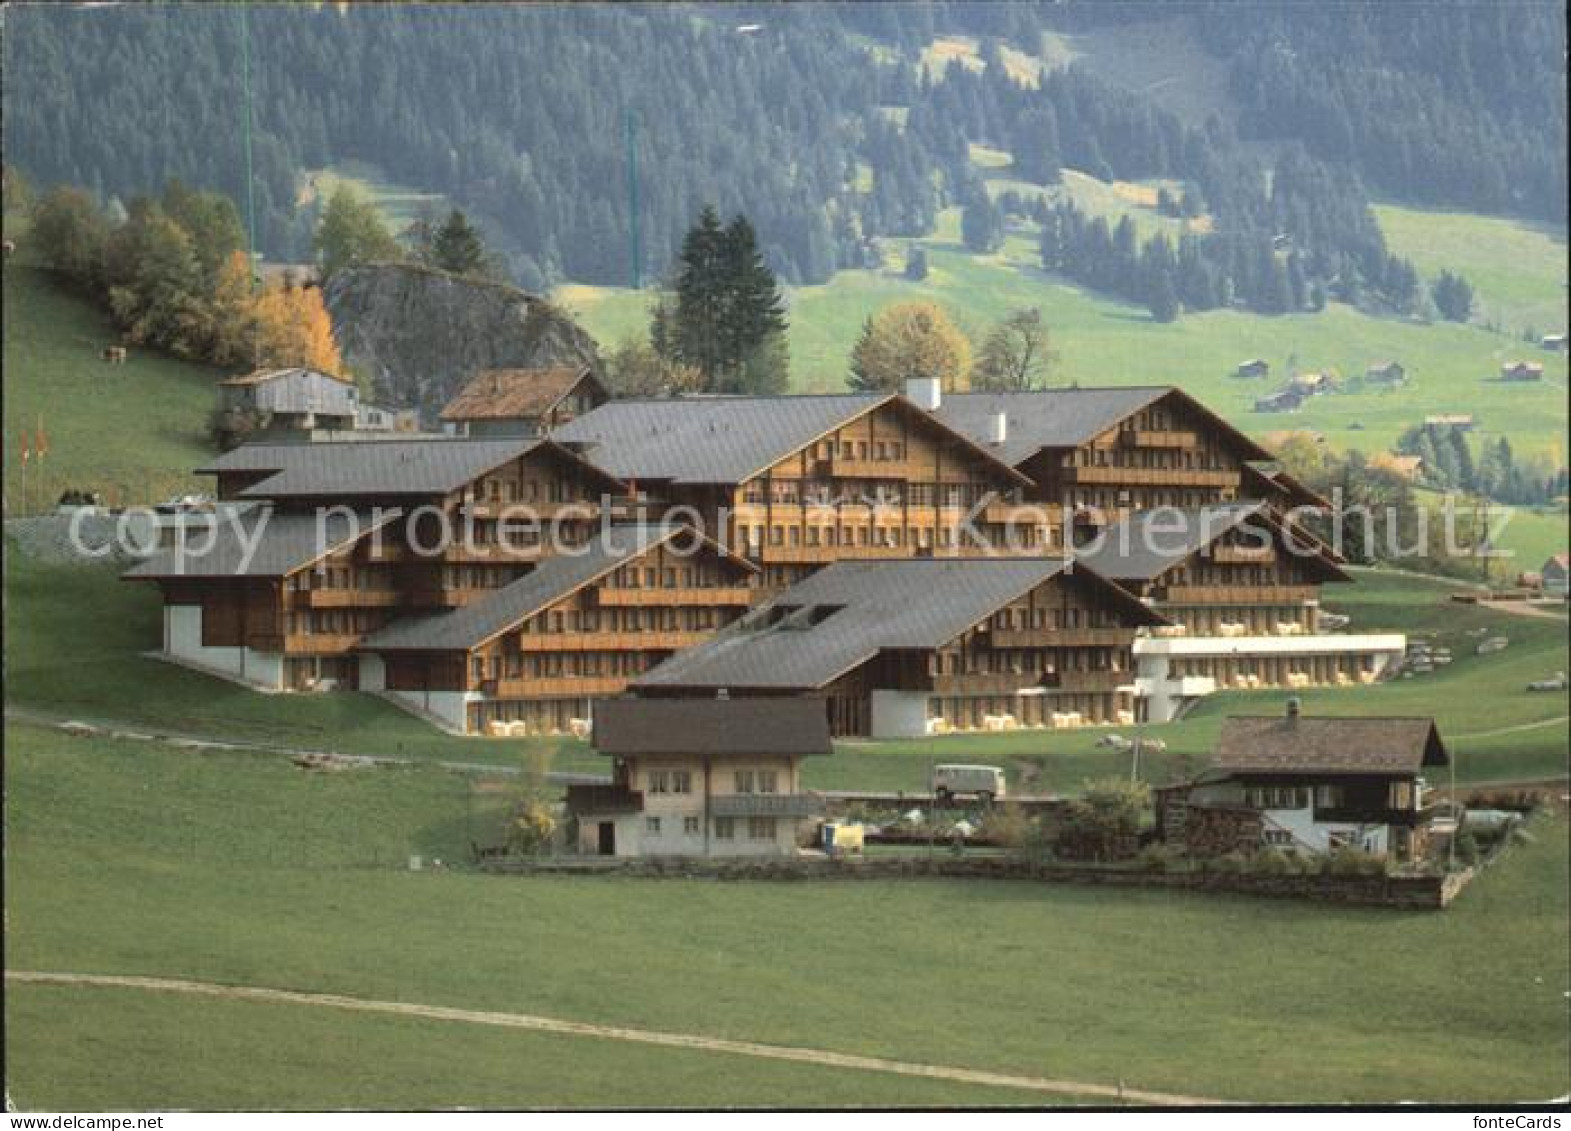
{"x": 998, "y": 429}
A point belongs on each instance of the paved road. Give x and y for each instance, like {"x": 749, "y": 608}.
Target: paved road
{"x": 186, "y": 740}
{"x": 825, "y": 1058}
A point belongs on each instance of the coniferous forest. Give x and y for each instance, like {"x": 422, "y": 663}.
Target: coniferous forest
{"x": 817, "y": 124}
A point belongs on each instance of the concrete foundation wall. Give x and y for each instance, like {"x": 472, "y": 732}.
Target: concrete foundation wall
{"x": 183, "y": 640}
{"x": 899, "y": 714}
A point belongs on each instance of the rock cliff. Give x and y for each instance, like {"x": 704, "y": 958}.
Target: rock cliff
{"x": 419, "y": 334}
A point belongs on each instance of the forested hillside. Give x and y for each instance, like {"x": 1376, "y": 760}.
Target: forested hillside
{"x": 819, "y": 123}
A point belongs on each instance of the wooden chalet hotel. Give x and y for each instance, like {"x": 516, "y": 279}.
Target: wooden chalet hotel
{"x": 902, "y": 558}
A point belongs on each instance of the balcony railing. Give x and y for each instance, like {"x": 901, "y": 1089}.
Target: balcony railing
{"x": 1159, "y": 438}
{"x": 1153, "y": 476}
{"x": 717, "y": 595}
{"x": 1235, "y": 594}
{"x": 610, "y": 641}
{"x": 1061, "y": 637}
{"x": 348, "y": 598}
{"x": 557, "y": 687}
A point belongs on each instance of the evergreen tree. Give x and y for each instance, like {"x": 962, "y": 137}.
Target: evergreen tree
{"x": 457, "y": 246}
{"x": 1453, "y": 297}
{"x": 916, "y": 264}
{"x": 982, "y": 224}
{"x": 753, "y": 310}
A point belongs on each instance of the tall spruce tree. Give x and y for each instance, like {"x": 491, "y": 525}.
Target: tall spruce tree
{"x": 457, "y": 246}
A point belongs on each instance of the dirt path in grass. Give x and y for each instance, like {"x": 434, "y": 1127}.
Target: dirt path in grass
{"x": 1078, "y": 1090}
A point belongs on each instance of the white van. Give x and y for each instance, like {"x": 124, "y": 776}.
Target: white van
{"x": 985, "y": 783}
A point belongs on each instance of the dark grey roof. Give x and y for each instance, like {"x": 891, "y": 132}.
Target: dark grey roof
{"x": 554, "y": 578}
{"x": 847, "y": 612}
{"x": 1148, "y": 543}
{"x": 278, "y": 543}
{"x": 740, "y": 727}
{"x": 706, "y": 439}
{"x": 386, "y": 467}
{"x": 1047, "y": 418}
{"x": 1280, "y": 744}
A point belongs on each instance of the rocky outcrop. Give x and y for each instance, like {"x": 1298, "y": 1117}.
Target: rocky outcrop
{"x": 419, "y": 334}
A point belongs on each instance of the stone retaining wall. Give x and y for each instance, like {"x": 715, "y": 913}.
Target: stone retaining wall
{"x": 1418, "y": 892}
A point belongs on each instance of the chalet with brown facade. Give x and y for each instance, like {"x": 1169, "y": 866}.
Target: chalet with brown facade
{"x": 1519, "y": 371}
{"x": 1312, "y": 785}
{"x": 533, "y": 655}
{"x": 1389, "y": 374}
{"x": 704, "y": 777}
{"x": 794, "y": 483}
{"x": 923, "y": 646}
{"x": 523, "y": 402}
{"x": 316, "y": 545}
{"x": 1241, "y": 592}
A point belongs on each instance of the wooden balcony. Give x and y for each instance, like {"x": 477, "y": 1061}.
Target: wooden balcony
{"x": 348, "y": 598}
{"x": 320, "y": 643}
{"x": 640, "y": 598}
{"x": 497, "y": 552}
{"x": 1243, "y": 595}
{"x": 842, "y": 467}
{"x": 543, "y": 512}
{"x": 1061, "y": 637}
{"x": 610, "y": 641}
{"x": 1155, "y": 438}
{"x": 558, "y": 687}
{"x": 1149, "y": 476}
{"x": 1243, "y": 555}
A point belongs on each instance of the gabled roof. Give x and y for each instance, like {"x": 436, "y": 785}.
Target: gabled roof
{"x": 1283, "y": 744}
{"x": 1045, "y": 418}
{"x": 739, "y": 727}
{"x": 263, "y": 376}
{"x": 1068, "y": 418}
{"x": 727, "y": 439}
{"x": 1148, "y": 543}
{"x": 279, "y": 544}
{"x": 511, "y": 394}
{"x": 849, "y": 611}
{"x": 1298, "y": 493}
{"x": 425, "y": 466}
{"x": 556, "y": 577}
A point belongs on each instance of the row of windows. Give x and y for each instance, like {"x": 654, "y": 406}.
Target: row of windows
{"x": 859, "y": 492}
{"x": 1017, "y": 661}
{"x": 529, "y": 491}
{"x": 758, "y": 828}
{"x": 335, "y": 622}
{"x": 1293, "y": 797}
{"x": 686, "y": 618}
{"x": 1018, "y": 617}
{"x": 1187, "y": 459}
{"x": 557, "y": 665}
{"x": 681, "y": 781}
{"x": 666, "y": 577}
{"x": 920, "y": 537}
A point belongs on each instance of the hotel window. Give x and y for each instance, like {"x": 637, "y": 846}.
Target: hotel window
{"x": 725, "y": 828}
{"x": 744, "y": 781}
{"x": 659, "y": 781}
{"x": 761, "y": 828}
{"x": 652, "y": 826}
{"x": 681, "y": 781}
{"x": 690, "y": 826}
{"x": 768, "y": 781}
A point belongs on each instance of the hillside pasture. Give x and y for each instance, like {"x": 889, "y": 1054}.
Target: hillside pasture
{"x": 127, "y": 858}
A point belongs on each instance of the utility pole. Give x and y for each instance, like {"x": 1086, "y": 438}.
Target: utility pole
{"x": 635, "y": 248}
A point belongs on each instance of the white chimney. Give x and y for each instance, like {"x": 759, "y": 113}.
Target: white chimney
{"x": 998, "y": 428}
{"x": 925, "y": 392}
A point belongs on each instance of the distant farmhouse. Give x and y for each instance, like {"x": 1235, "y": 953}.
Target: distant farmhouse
{"x": 710, "y": 777}
{"x": 1522, "y": 371}
{"x": 1461, "y": 421}
{"x": 1310, "y": 784}
{"x": 522, "y": 402}
{"x": 1555, "y": 574}
{"x": 295, "y": 398}
{"x": 1388, "y": 373}
{"x": 1254, "y": 368}
{"x": 1283, "y": 400}
{"x": 1556, "y": 343}
{"x": 1313, "y": 384}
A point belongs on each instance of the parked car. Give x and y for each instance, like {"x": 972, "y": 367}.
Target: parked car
{"x": 985, "y": 783}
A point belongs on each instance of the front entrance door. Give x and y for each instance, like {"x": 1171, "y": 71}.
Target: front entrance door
{"x": 607, "y": 838}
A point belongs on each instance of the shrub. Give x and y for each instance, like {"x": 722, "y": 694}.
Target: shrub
{"x": 1353, "y": 862}
{"x": 1466, "y": 849}
{"x": 1270, "y": 861}
{"x": 1159, "y": 857}
{"x": 1104, "y": 819}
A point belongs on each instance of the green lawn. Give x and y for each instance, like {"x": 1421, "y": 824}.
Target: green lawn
{"x": 132, "y": 431}
{"x": 1103, "y": 342}
{"x": 128, "y": 858}
{"x": 1517, "y": 271}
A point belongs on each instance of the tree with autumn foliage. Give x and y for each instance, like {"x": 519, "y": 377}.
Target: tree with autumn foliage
{"x": 906, "y": 340}
{"x": 293, "y": 328}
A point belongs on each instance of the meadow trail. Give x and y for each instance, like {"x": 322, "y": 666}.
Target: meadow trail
{"x": 1082, "y": 1091}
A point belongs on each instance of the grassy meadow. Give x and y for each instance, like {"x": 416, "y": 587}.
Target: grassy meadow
{"x": 133, "y": 432}
{"x": 1518, "y": 272}
{"x": 130, "y": 858}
